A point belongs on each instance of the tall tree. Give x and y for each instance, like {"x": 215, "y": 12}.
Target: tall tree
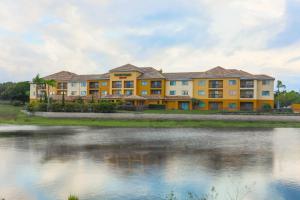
{"x": 38, "y": 81}
{"x": 280, "y": 88}
{"x": 49, "y": 83}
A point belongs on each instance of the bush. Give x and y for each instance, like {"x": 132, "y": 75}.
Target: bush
{"x": 127, "y": 107}
{"x": 73, "y": 107}
{"x": 56, "y": 107}
{"x": 104, "y": 107}
{"x": 73, "y": 197}
{"x": 32, "y": 106}
{"x": 17, "y": 103}
{"x": 157, "y": 107}
{"x": 266, "y": 108}
{"x": 42, "y": 107}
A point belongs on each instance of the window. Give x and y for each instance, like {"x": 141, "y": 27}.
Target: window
{"x": 116, "y": 92}
{"x": 201, "y": 104}
{"x": 73, "y": 84}
{"x": 232, "y": 92}
{"x": 93, "y": 91}
{"x": 216, "y": 84}
{"x": 144, "y": 92}
{"x": 172, "y": 83}
{"x": 247, "y": 94}
{"x": 128, "y": 92}
{"x": 128, "y": 84}
{"x": 144, "y": 83}
{"x": 94, "y": 85}
{"x": 201, "y": 83}
{"x": 155, "y": 91}
{"x": 247, "y": 84}
{"x": 265, "y": 93}
{"x": 103, "y": 92}
{"x": 266, "y": 82}
{"x": 104, "y": 83}
{"x": 232, "y": 82}
{"x": 73, "y": 93}
{"x": 83, "y": 93}
{"x": 155, "y": 84}
{"x": 201, "y": 92}
{"x": 185, "y": 92}
{"x": 117, "y": 84}
{"x": 184, "y": 83}
{"x": 172, "y": 92}
{"x": 232, "y": 105}
{"x": 83, "y": 84}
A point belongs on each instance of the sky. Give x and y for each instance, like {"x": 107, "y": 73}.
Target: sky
{"x": 93, "y": 36}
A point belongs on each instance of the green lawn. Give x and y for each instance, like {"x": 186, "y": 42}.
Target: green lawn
{"x": 12, "y": 115}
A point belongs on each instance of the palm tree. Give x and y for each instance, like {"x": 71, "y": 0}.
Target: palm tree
{"x": 280, "y": 86}
{"x": 49, "y": 83}
{"x": 38, "y": 81}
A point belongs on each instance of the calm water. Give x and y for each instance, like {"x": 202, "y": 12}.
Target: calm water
{"x": 49, "y": 164}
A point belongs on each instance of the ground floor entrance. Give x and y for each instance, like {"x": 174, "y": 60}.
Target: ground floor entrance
{"x": 184, "y": 105}
{"x": 246, "y": 106}
{"x": 215, "y": 105}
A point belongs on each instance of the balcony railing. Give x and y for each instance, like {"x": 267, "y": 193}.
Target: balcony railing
{"x": 216, "y": 85}
{"x": 94, "y": 85}
{"x": 212, "y": 95}
{"x": 156, "y": 85}
{"x": 247, "y": 96}
{"x": 247, "y": 84}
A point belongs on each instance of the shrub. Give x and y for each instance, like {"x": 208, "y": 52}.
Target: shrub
{"x": 17, "y": 103}
{"x": 266, "y": 108}
{"x": 42, "y": 107}
{"x": 104, "y": 107}
{"x": 32, "y": 106}
{"x": 72, "y": 107}
{"x": 73, "y": 197}
{"x": 157, "y": 107}
{"x": 56, "y": 107}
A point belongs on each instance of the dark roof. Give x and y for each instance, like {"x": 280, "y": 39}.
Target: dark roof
{"x": 150, "y": 73}
{"x": 90, "y": 77}
{"x": 60, "y": 76}
{"x": 126, "y": 68}
{"x": 182, "y": 75}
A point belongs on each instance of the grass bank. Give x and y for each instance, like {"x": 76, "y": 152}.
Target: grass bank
{"x": 13, "y": 115}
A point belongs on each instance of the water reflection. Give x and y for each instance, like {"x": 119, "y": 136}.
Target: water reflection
{"x": 40, "y": 163}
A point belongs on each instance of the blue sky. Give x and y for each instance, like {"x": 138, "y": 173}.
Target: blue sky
{"x": 92, "y": 36}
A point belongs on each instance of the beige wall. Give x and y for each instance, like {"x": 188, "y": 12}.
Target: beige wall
{"x": 33, "y": 91}
{"x": 261, "y": 87}
{"x": 179, "y": 88}
{"x": 76, "y": 87}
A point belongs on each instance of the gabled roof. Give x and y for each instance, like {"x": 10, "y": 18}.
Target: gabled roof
{"x": 126, "y": 68}
{"x": 183, "y": 75}
{"x": 90, "y": 77}
{"x": 150, "y": 73}
{"x": 60, "y": 76}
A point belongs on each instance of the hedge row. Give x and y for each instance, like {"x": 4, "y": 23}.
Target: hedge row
{"x": 101, "y": 107}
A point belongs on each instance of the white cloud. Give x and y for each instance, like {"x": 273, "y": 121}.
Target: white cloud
{"x": 92, "y": 36}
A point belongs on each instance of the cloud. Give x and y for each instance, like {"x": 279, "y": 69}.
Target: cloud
{"x": 93, "y": 36}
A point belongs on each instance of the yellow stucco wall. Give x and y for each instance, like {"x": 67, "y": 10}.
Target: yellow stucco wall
{"x": 296, "y": 108}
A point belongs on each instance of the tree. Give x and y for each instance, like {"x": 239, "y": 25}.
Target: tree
{"x": 49, "y": 83}
{"x": 38, "y": 81}
{"x": 280, "y": 88}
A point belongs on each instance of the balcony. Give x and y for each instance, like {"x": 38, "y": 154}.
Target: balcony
{"x": 117, "y": 84}
{"x": 247, "y": 94}
{"x": 247, "y": 84}
{"x": 215, "y": 94}
{"x": 128, "y": 84}
{"x": 156, "y": 84}
{"x": 216, "y": 84}
{"x": 94, "y": 85}
{"x": 62, "y": 86}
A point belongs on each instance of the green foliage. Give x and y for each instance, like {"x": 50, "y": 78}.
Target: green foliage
{"x": 157, "y": 106}
{"x": 287, "y": 98}
{"x": 105, "y": 107}
{"x": 73, "y": 197}
{"x": 32, "y": 106}
{"x": 15, "y": 91}
{"x": 266, "y": 107}
{"x": 73, "y": 107}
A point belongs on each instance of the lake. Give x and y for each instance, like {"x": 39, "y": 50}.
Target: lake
{"x": 40, "y": 163}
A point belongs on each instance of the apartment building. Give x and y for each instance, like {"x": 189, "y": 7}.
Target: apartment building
{"x": 215, "y": 89}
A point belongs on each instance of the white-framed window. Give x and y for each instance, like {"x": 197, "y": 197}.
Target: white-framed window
{"x": 265, "y": 93}
{"x": 83, "y": 93}
{"x": 232, "y": 92}
{"x": 73, "y": 84}
{"x": 232, "y": 82}
{"x": 172, "y": 83}
{"x": 185, "y": 92}
{"x": 184, "y": 82}
{"x": 103, "y": 92}
{"x": 201, "y": 83}
{"x": 144, "y": 92}
{"x": 201, "y": 92}
{"x": 172, "y": 92}
{"x": 144, "y": 83}
{"x": 266, "y": 82}
{"x": 83, "y": 84}
{"x": 104, "y": 83}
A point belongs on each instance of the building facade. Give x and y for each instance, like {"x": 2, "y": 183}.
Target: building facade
{"x": 215, "y": 89}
